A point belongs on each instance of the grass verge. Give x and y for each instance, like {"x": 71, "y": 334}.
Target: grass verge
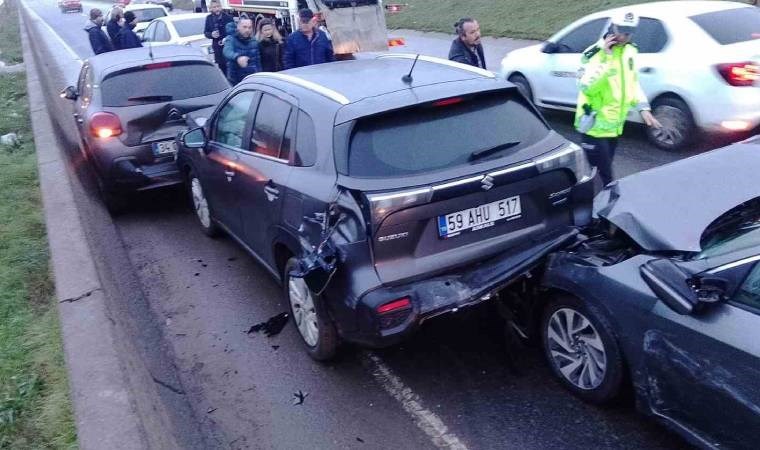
{"x": 524, "y": 19}
{"x": 35, "y": 410}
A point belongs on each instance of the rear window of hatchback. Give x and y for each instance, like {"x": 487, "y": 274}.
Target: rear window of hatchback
{"x": 732, "y": 25}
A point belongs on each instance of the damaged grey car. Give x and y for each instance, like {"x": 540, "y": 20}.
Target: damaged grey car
{"x": 662, "y": 294}
{"x": 386, "y": 191}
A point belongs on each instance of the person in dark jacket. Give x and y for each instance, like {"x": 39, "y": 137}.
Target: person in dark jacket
{"x": 127, "y": 38}
{"x": 216, "y": 30}
{"x": 242, "y": 52}
{"x": 271, "y": 46}
{"x": 98, "y": 39}
{"x": 466, "y": 48}
{"x": 114, "y": 25}
{"x": 308, "y": 45}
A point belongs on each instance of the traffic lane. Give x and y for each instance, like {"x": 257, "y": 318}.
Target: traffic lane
{"x": 209, "y": 293}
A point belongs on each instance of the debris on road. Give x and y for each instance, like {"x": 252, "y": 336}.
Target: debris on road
{"x": 210, "y": 410}
{"x": 358, "y": 439}
{"x": 275, "y": 347}
{"x": 299, "y": 397}
{"x": 271, "y": 327}
{"x": 10, "y": 139}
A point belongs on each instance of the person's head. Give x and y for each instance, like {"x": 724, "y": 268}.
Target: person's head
{"x": 623, "y": 25}
{"x": 130, "y": 19}
{"x": 215, "y": 7}
{"x": 96, "y": 16}
{"x": 468, "y": 31}
{"x": 117, "y": 13}
{"x": 245, "y": 27}
{"x": 268, "y": 30}
{"x": 306, "y": 22}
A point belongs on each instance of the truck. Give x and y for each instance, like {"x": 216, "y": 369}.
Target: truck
{"x": 354, "y": 26}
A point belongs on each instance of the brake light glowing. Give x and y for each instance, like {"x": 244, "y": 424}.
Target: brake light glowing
{"x": 395, "y": 305}
{"x": 105, "y": 125}
{"x": 735, "y": 125}
{"x": 740, "y": 74}
{"x": 161, "y": 65}
{"x": 394, "y": 8}
{"x": 449, "y": 101}
{"x": 396, "y": 42}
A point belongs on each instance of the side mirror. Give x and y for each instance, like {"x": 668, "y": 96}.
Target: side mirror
{"x": 550, "y": 47}
{"x": 671, "y": 284}
{"x": 195, "y": 138}
{"x": 70, "y": 93}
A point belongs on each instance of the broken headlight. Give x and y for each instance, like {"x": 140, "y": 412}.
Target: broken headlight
{"x": 570, "y": 157}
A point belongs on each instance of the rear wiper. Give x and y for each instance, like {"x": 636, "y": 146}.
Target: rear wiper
{"x": 151, "y": 98}
{"x": 490, "y": 150}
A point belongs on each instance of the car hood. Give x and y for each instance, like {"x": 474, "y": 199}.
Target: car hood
{"x": 669, "y": 207}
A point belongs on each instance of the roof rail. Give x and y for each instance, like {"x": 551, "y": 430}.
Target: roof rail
{"x": 445, "y": 62}
{"x": 319, "y": 89}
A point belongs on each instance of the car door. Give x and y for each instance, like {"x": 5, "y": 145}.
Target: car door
{"x": 149, "y": 35}
{"x": 652, "y": 40}
{"x": 82, "y": 102}
{"x": 703, "y": 370}
{"x": 229, "y": 134}
{"x": 265, "y": 169}
{"x": 162, "y": 35}
{"x": 559, "y": 87}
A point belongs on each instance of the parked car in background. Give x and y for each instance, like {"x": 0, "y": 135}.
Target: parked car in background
{"x": 70, "y": 6}
{"x": 665, "y": 296}
{"x": 144, "y": 13}
{"x": 179, "y": 29}
{"x": 168, "y": 4}
{"x": 699, "y": 64}
{"x": 313, "y": 174}
{"x": 129, "y": 107}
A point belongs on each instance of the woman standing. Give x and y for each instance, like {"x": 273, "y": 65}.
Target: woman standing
{"x": 270, "y": 46}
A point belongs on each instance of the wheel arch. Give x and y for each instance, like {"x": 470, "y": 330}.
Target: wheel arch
{"x": 671, "y": 94}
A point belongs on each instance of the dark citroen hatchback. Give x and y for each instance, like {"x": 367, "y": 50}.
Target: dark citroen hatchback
{"x": 379, "y": 200}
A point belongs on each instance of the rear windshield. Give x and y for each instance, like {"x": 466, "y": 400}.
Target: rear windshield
{"x": 161, "y": 82}
{"x": 731, "y": 26}
{"x": 442, "y": 135}
{"x": 190, "y": 27}
{"x": 148, "y": 14}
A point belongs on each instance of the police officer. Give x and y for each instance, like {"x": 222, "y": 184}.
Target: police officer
{"x": 609, "y": 87}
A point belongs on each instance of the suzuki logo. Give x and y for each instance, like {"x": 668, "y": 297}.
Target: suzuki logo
{"x": 174, "y": 114}
{"x": 487, "y": 182}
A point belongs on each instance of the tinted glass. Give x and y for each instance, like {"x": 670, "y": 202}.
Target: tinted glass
{"x": 162, "y": 33}
{"x": 146, "y": 15}
{"x": 156, "y": 83}
{"x": 737, "y": 229}
{"x": 231, "y": 120}
{"x": 149, "y": 33}
{"x": 429, "y": 138}
{"x": 650, "y": 36}
{"x": 749, "y": 292}
{"x": 306, "y": 141}
{"x": 731, "y": 26}
{"x": 583, "y": 37}
{"x": 271, "y": 120}
{"x": 190, "y": 27}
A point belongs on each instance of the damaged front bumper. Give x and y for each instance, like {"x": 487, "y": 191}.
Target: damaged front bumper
{"x": 420, "y": 300}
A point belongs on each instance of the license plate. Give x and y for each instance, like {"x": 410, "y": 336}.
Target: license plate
{"x": 479, "y": 218}
{"x": 164, "y": 148}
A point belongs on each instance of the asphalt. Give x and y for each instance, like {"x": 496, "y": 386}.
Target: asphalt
{"x": 207, "y": 293}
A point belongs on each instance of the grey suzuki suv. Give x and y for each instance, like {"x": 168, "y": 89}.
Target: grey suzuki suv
{"x": 383, "y": 192}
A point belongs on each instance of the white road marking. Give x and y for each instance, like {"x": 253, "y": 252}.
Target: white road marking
{"x": 426, "y": 420}
{"x": 53, "y": 33}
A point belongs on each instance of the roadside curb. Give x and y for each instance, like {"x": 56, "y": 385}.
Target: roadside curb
{"x": 104, "y": 411}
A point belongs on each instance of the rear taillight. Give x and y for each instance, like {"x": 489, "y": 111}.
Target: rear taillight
{"x": 740, "y": 74}
{"x": 105, "y": 125}
{"x": 395, "y": 305}
{"x": 449, "y": 101}
{"x": 393, "y": 314}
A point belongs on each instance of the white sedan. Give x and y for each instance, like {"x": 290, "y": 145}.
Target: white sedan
{"x": 144, "y": 13}
{"x": 179, "y": 29}
{"x": 699, "y": 64}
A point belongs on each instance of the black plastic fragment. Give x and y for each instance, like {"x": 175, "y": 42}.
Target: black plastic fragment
{"x": 271, "y": 327}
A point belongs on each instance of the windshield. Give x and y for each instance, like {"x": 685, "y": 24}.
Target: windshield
{"x": 190, "y": 27}
{"x": 731, "y": 26}
{"x": 442, "y": 134}
{"x": 161, "y": 82}
{"x": 737, "y": 229}
{"x": 148, "y": 14}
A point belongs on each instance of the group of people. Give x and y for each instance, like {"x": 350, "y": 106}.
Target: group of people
{"x": 239, "y": 51}
{"x": 120, "y": 28}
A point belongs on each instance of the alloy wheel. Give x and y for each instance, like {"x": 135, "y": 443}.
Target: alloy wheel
{"x": 675, "y": 126}
{"x": 304, "y": 310}
{"x": 576, "y": 348}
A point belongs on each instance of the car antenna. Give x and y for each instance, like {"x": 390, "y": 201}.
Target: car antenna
{"x": 408, "y": 77}
{"x": 150, "y": 50}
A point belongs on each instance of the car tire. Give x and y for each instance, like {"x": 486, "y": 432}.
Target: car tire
{"x": 522, "y": 85}
{"x": 581, "y": 349}
{"x": 677, "y": 124}
{"x": 114, "y": 202}
{"x": 201, "y": 206}
{"x": 310, "y": 316}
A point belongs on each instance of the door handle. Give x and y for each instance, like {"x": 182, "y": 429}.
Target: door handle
{"x": 271, "y": 191}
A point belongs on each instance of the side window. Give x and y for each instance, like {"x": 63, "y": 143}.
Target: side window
{"x": 581, "y": 38}
{"x": 162, "y": 33}
{"x": 149, "y": 34}
{"x": 749, "y": 292}
{"x": 86, "y": 93}
{"x": 650, "y": 36}
{"x": 269, "y": 128}
{"x": 306, "y": 141}
{"x": 231, "y": 120}
{"x": 80, "y": 81}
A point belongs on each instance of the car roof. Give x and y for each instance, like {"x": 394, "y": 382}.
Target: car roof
{"x": 671, "y": 9}
{"x": 132, "y": 7}
{"x": 176, "y": 17}
{"x": 348, "y": 82}
{"x": 109, "y": 62}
